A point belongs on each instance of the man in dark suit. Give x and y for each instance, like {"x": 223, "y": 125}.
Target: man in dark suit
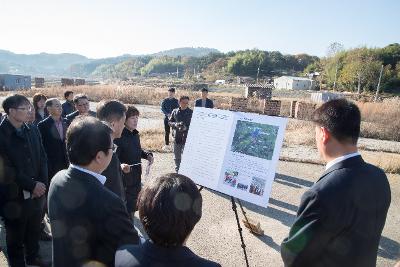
{"x": 53, "y": 130}
{"x": 180, "y": 122}
{"x": 167, "y": 106}
{"x": 68, "y": 106}
{"x": 23, "y": 180}
{"x": 114, "y": 113}
{"x": 168, "y": 220}
{"x": 82, "y": 106}
{"x": 204, "y": 101}
{"x": 88, "y": 221}
{"x": 341, "y": 217}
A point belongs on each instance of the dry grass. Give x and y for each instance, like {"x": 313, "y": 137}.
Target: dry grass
{"x": 152, "y": 140}
{"x": 299, "y": 132}
{"x": 129, "y": 94}
{"x": 389, "y": 162}
{"x": 381, "y": 120}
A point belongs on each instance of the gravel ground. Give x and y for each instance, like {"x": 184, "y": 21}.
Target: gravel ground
{"x": 216, "y": 236}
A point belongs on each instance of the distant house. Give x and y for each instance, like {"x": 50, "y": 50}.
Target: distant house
{"x": 10, "y": 82}
{"x": 79, "y": 82}
{"x": 67, "y": 82}
{"x": 260, "y": 91}
{"x": 39, "y": 82}
{"x": 220, "y": 82}
{"x": 294, "y": 83}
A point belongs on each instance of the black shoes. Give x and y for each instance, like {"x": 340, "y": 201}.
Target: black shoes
{"x": 38, "y": 262}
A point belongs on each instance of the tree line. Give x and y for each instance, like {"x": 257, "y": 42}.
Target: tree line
{"x": 356, "y": 69}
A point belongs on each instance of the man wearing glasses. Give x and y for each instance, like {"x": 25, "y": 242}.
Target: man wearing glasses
{"x": 23, "y": 182}
{"x": 82, "y": 108}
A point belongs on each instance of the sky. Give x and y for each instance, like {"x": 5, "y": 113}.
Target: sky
{"x": 107, "y": 28}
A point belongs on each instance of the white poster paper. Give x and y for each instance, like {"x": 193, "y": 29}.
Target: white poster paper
{"x": 234, "y": 153}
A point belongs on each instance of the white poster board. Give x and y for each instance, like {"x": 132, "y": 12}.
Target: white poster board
{"x": 234, "y": 153}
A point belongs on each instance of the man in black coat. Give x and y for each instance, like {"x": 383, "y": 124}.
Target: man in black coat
{"x": 341, "y": 217}
{"x": 88, "y": 221}
{"x": 180, "y": 121}
{"x": 68, "y": 106}
{"x": 82, "y": 106}
{"x": 23, "y": 180}
{"x": 204, "y": 101}
{"x": 53, "y": 130}
{"x": 167, "y": 106}
{"x": 114, "y": 113}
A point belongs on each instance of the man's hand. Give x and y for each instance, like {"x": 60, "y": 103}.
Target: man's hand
{"x": 39, "y": 190}
{"x": 125, "y": 168}
{"x": 150, "y": 159}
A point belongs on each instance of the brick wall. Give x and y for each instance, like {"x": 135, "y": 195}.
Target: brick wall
{"x": 304, "y": 110}
{"x": 292, "y": 112}
{"x": 258, "y": 92}
{"x": 272, "y": 107}
{"x": 239, "y": 104}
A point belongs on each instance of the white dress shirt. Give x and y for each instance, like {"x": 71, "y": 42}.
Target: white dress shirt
{"x": 102, "y": 179}
{"x": 341, "y": 158}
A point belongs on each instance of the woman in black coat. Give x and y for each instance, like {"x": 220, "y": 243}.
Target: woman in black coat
{"x": 131, "y": 153}
{"x": 39, "y": 104}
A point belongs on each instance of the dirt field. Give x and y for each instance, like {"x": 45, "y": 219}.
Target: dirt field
{"x": 216, "y": 236}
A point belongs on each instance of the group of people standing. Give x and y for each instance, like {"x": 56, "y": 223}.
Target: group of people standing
{"x": 88, "y": 166}
{"x": 34, "y": 148}
{"x": 177, "y": 115}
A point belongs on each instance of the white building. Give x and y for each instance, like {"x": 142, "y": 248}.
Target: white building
{"x": 220, "y": 82}
{"x": 294, "y": 83}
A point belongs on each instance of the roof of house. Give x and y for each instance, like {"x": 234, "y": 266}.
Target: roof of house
{"x": 295, "y": 78}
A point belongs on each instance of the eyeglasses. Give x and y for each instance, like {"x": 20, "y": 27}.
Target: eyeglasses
{"x": 28, "y": 109}
{"x": 114, "y": 148}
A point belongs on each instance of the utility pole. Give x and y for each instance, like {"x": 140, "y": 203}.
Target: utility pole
{"x": 379, "y": 84}
{"x": 258, "y": 70}
{"x": 359, "y": 83}
{"x": 177, "y": 72}
{"x": 334, "y": 82}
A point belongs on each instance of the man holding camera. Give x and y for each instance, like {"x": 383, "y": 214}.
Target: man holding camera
{"x": 180, "y": 122}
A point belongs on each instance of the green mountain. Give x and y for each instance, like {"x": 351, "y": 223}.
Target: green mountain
{"x": 76, "y": 65}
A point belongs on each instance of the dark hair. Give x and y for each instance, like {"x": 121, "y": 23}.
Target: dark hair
{"x": 110, "y": 110}
{"x": 204, "y": 90}
{"x": 49, "y": 102}
{"x": 36, "y": 98}
{"x": 131, "y": 111}
{"x": 183, "y": 98}
{"x": 67, "y": 94}
{"x": 172, "y": 89}
{"x": 85, "y": 137}
{"x": 78, "y": 97}
{"x": 169, "y": 208}
{"x": 341, "y": 118}
{"x": 14, "y": 101}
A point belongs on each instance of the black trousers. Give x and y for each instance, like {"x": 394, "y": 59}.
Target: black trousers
{"x": 22, "y": 222}
{"x": 167, "y": 130}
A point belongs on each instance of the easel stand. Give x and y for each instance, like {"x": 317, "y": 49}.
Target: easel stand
{"x": 234, "y": 208}
{"x": 240, "y": 228}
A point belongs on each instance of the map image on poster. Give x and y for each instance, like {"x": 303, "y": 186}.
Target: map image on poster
{"x": 255, "y": 139}
{"x": 235, "y": 153}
